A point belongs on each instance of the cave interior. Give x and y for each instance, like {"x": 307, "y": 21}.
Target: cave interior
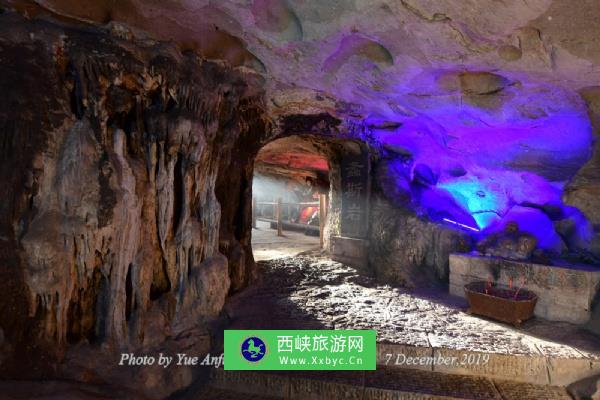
{"x": 421, "y": 144}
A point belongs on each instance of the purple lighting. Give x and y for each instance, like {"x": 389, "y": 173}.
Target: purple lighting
{"x": 480, "y": 161}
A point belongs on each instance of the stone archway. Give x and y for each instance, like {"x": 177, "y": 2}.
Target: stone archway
{"x": 345, "y": 230}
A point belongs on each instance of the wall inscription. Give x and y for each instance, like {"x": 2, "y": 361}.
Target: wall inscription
{"x": 355, "y": 194}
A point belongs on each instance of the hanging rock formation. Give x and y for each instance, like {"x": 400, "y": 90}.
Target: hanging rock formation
{"x": 129, "y": 129}
{"x": 114, "y": 150}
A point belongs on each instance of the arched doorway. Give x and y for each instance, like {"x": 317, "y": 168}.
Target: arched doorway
{"x": 311, "y": 193}
{"x": 291, "y": 191}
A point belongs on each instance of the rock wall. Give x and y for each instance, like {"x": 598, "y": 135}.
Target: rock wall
{"x": 116, "y": 157}
{"x": 407, "y": 250}
{"x": 583, "y": 191}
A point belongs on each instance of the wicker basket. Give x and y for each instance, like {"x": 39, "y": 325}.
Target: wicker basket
{"x": 499, "y": 303}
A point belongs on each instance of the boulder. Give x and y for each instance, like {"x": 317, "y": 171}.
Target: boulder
{"x": 511, "y": 244}
{"x": 534, "y": 222}
{"x": 482, "y": 83}
{"x": 585, "y": 389}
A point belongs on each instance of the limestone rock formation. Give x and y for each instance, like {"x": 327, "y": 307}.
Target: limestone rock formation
{"x": 118, "y": 154}
{"x": 583, "y": 191}
{"x": 409, "y": 251}
{"x": 486, "y": 110}
{"x": 129, "y": 131}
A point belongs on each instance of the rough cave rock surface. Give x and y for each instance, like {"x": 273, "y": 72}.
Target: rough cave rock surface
{"x": 485, "y": 105}
{"x": 480, "y": 117}
{"x": 119, "y": 155}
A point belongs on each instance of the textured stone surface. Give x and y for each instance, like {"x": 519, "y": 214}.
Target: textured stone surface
{"x": 385, "y": 383}
{"x": 315, "y": 293}
{"x": 583, "y": 191}
{"x": 565, "y": 293}
{"x": 407, "y": 250}
{"x": 495, "y": 97}
{"x": 129, "y": 161}
{"x": 379, "y": 40}
{"x": 117, "y": 172}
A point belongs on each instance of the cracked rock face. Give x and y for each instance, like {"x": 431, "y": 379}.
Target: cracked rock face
{"x": 492, "y": 89}
{"x": 487, "y": 87}
{"x": 117, "y": 153}
{"x": 128, "y": 220}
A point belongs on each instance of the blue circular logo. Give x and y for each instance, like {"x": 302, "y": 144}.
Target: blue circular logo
{"x": 253, "y": 349}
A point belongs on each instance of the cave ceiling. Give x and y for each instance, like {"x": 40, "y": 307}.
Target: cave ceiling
{"x": 370, "y": 54}
{"x": 477, "y": 99}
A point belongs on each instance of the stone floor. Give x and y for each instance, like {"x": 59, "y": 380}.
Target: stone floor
{"x": 266, "y": 245}
{"x": 308, "y": 291}
{"x": 383, "y": 384}
{"x": 313, "y": 292}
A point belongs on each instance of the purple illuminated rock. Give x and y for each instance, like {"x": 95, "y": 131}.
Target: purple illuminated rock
{"x": 574, "y": 228}
{"x": 536, "y": 223}
{"x": 393, "y": 177}
{"x": 439, "y": 204}
{"x": 424, "y": 175}
{"x": 482, "y": 83}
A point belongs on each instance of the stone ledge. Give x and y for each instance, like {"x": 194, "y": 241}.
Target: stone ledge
{"x": 387, "y": 383}
{"x": 350, "y": 251}
{"x": 533, "y": 369}
{"x": 565, "y": 293}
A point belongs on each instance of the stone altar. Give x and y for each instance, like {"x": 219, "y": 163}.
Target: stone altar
{"x": 565, "y": 292}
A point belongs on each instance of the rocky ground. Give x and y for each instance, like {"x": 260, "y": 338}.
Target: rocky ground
{"x": 312, "y": 292}
{"x": 315, "y": 292}
{"x": 266, "y": 245}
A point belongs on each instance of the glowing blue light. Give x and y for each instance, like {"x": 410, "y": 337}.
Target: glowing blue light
{"x": 488, "y": 162}
{"x": 481, "y": 202}
{"x": 461, "y": 225}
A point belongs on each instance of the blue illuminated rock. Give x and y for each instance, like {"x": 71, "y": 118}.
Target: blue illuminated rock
{"x": 536, "y": 223}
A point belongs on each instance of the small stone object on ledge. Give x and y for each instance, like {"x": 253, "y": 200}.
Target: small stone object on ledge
{"x": 511, "y": 244}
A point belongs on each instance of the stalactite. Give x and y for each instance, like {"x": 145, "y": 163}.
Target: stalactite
{"x": 124, "y": 223}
